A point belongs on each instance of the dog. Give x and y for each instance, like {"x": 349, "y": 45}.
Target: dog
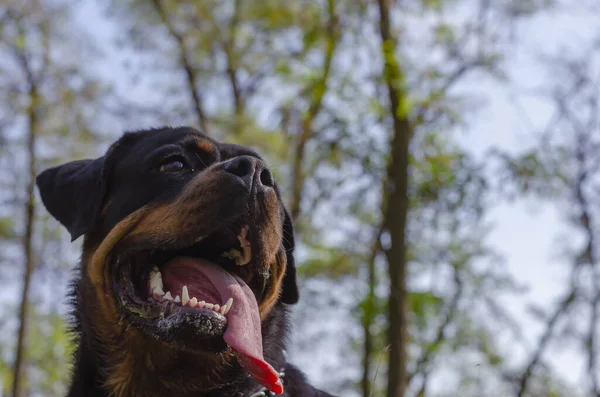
{"x": 187, "y": 269}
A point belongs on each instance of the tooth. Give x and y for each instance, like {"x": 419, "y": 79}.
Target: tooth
{"x": 209, "y": 306}
{"x": 232, "y": 254}
{"x": 177, "y": 299}
{"x": 185, "y": 297}
{"x": 168, "y": 296}
{"x": 155, "y": 279}
{"x": 216, "y": 308}
{"x": 201, "y": 304}
{"x": 227, "y": 306}
{"x": 193, "y": 302}
{"x": 158, "y": 293}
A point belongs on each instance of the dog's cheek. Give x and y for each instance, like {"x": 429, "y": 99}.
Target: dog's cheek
{"x": 273, "y": 288}
{"x": 98, "y": 279}
{"x": 98, "y": 295}
{"x": 100, "y": 305}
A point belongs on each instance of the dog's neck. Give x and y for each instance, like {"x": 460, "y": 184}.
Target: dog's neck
{"x": 133, "y": 365}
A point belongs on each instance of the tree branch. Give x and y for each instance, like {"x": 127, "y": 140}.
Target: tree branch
{"x": 450, "y": 81}
{"x": 232, "y": 72}
{"x": 186, "y": 64}
{"x": 425, "y": 358}
{"x": 544, "y": 341}
{"x": 29, "y": 210}
{"x": 306, "y": 132}
{"x": 588, "y": 256}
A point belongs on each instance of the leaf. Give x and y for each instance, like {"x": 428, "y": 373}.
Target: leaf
{"x": 425, "y": 306}
{"x": 328, "y": 262}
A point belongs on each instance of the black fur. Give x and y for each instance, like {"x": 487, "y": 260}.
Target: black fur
{"x": 91, "y": 197}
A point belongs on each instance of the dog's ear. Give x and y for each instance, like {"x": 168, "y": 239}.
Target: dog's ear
{"x": 73, "y": 193}
{"x": 289, "y": 293}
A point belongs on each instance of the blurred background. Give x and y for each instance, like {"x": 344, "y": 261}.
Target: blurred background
{"x": 440, "y": 158}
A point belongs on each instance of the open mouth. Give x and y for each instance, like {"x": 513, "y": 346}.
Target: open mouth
{"x": 202, "y": 293}
{"x": 195, "y": 297}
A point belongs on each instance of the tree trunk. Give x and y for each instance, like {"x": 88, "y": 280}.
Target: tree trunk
{"x": 397, "y": 207}
{"x": 28, "y": 254}
{"x": 368, "y": 341}
{"x": 369, "y": 315}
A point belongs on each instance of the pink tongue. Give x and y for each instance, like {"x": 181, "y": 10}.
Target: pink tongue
{"x": 243, "y": 332}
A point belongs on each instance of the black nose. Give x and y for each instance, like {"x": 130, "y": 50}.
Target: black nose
{"x": 253, "y": 172}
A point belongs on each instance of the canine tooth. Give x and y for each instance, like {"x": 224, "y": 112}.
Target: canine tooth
{"x": 177, "y": 299}
{"x": 201, "y": 304}
{"x": 185, "y": 297}
{"x": 193, "y": 302}
{"x": 168, "y": 296}
{"x": 155, "y": 279}
{"x": 209, "y": 306}
{"x": 227, "y": 306}
{"x": 158, "y": 293}
{"x": 216, "y": 308}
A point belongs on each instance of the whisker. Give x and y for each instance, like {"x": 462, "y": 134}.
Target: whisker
{"x": 201, "y": 161}
{"x": 286, "y": 240}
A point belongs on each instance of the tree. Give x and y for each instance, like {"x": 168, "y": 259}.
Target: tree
{"x": 564, "y": 169}
{"x": 355, "y": 105}
{"x": 396, "y": 207}
{"x": 46, "y": 101}
{"x": 417, "y": 117}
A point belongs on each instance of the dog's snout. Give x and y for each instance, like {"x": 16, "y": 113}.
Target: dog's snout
{"x": 251, "y": 171}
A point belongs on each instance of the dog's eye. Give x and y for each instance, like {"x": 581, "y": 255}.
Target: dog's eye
{"x": 172, "y": 165}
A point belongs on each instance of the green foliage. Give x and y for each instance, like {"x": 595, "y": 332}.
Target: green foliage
{"x": 536, "y": 173}
{"x": 271, "y": 75}
{"x": 425, "y": 306}
{"x": 6, "y": 228}
{"x": 49, "y": 354}
{"x": 329, "y": 262}
{"x": 53, "y": 95}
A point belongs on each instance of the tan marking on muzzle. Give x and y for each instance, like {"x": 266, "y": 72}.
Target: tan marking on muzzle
{"x": 273, "y": 289}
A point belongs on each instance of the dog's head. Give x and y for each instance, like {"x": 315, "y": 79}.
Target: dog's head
{"x": 187, "y": 242}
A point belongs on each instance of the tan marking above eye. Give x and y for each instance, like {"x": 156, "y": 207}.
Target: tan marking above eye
{"x": 205, "y": 146}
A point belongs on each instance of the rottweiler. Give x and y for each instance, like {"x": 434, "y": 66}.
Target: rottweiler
{"x": 186, "y": 273}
